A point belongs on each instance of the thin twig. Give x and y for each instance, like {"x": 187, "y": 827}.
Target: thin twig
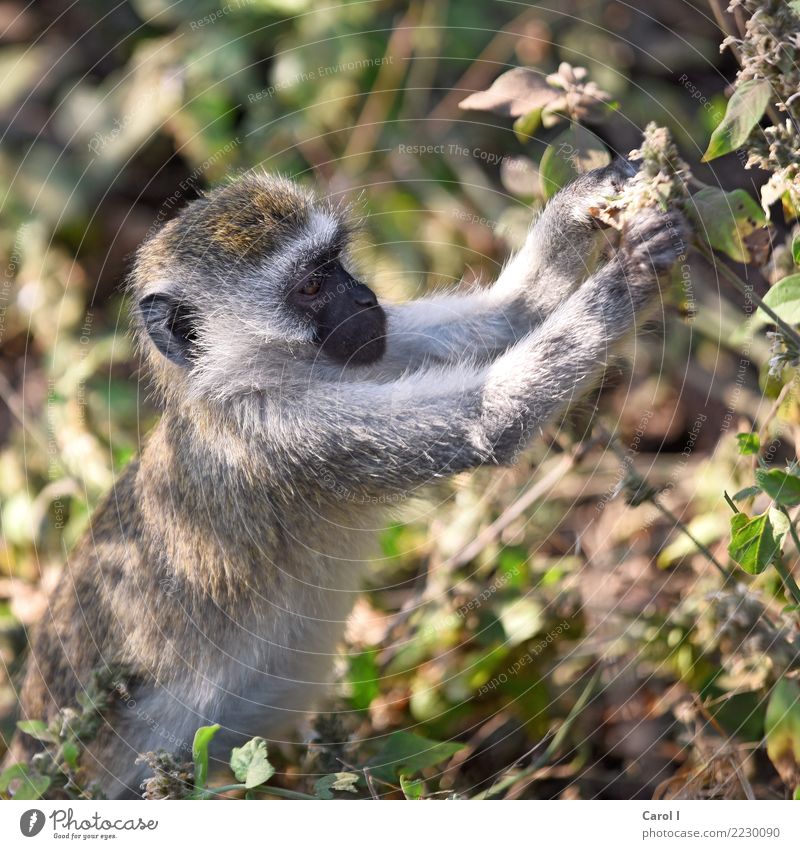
{"x": 734, "y": 758}
{"x": 266, "y": 789}
{"x": 786, "y": 575}
{"x": 724, "y": 21}
{"x": 11, "y": 398}
{"x": 514, "y": 510}
{"x": 553, "y": 746}
{"x": 614, "y": 445}
{"x": 748, "y": 292}
{"x": 683, "y": 528}
{"x": 773, "y": 411}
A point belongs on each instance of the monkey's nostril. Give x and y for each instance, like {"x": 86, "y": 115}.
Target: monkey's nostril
{"x": 365, "y": 298}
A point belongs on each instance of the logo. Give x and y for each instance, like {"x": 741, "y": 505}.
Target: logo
{"x": 31, "y": 822}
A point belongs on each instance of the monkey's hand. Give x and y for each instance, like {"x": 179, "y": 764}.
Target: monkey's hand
{"x": 561, "y": 249}
{"x": 652, "y": 243}
{"x": 593, "y": 192}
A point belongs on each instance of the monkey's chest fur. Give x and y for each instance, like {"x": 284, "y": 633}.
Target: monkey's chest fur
{"x": 216, "y": 602}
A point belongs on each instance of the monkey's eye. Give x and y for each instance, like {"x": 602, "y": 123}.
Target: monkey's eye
{"x": 311, "y": 287}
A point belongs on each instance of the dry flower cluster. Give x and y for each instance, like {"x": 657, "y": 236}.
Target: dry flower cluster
{"x": 769, "y": 51}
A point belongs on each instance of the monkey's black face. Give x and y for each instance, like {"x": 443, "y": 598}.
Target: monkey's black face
{"x": 349, "y": 323}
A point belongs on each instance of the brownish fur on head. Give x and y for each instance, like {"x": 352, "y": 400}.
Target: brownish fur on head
{"x": 216, "y": 289}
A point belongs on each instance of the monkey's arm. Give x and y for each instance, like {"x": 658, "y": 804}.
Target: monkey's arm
{"x": 560, "y": 251}
{"x": 362, "y": 437}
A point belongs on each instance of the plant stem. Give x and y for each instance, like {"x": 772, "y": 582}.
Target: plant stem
{"x": 789, "y": 582}
{"x": 748, "y": 292}
{"x": 270, "y": 791}
{"x": 553, "y": 746}
{"x": 786, "y": 575}
{"x": 684, "y": 529}
{"x": 666, "y": 512}
{"x": 730, "y": 502}
{"x": 721, "y": 17}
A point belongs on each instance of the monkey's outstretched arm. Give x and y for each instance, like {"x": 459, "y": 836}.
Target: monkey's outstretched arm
{"x": 559, "y": 252}
{"x": 366, "y": 438}
{"x": 562, "y": 246}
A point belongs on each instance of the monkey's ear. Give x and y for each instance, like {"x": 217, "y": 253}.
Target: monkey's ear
{"x": 171, "y": 326}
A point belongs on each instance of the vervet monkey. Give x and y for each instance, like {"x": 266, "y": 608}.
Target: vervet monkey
{"x": 220, "y": 570}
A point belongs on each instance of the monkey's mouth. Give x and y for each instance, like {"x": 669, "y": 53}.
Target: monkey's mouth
{"x": 361, "y": 341}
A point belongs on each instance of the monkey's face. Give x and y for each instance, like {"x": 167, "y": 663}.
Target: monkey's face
{"x": 349, "y": 325}
{"x": 249, "y": 273}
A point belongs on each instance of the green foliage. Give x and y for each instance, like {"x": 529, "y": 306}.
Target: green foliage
{"x": 782, "y": 729}
{"x": 37, "y": 729}
{"x": 574, "y": 151}
{"x": 344, "y": 782}
{"x": 202, "y": 739}
{"x": 784, "y": 299}
{"x": 363, "y": 675}
{"x": 749, "y": 443}
{"x": 250, "y": 764}
{"x": 406, "y": 754}
{"x": 782, "y": 487}
{"x": 747, "y": 492}
{"x": 526, "y": 126}
{"x": 412, "y": 789}
{"x": 31, "y": 785}
{"x": 753, "y": 545}
{"x": 745, "y": 109}
{"x": 728, "y": 220}
{"x": 56, "y": 771}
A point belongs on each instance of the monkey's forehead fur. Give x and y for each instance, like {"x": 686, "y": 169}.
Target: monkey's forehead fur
{"x": 243, "y": 223}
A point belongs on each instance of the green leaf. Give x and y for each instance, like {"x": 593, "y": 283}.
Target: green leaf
{"x": 12, "y": 772}
{"x": 70, "y": 751}
{"x": 412, "y": 788}
{"x": 32, "y": 786}
{"x": 37, "y": 729}
{"x": 728, "y": 220}
{"x": 747, "y": 492}
{"x": 780, "y": 525}
{"x": 408, "y": 753}
{"x": 749, "y": 443}
{"x": 744, "y": 111}
{"x": 781, "y": 487}
{"x": 796, "y": 250}
{"x": 784, "y": 299}
{"x": 202, "y": 737}
{"x": 753, "y": 545}
{"x": 250, "y": 764}
{"x": 575, "y": 151}
{"x": 526, "y": 125}
{"x": 782, "y": 727}
{"x": 363, "y": 675}
{"x": 343, "y": 781}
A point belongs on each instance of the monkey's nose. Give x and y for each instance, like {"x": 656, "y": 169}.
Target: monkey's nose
{"x": 364, "y": 297}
